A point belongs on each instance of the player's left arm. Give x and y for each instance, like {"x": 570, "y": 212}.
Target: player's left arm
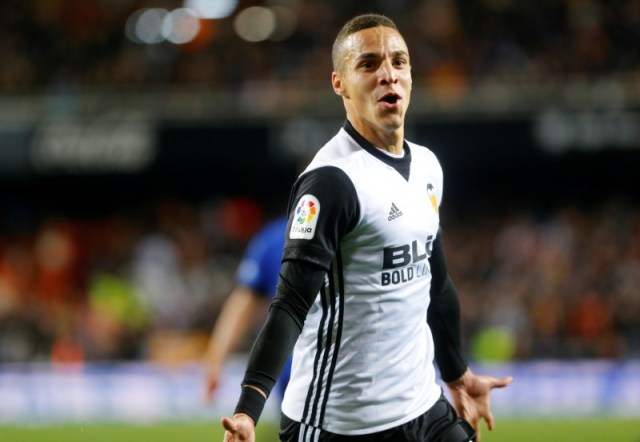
{"x": 469, "y": 392}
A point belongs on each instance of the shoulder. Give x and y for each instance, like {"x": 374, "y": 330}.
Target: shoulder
{"x": 326, "y": 184}
{"x": 424, "y": 153}
{"x": 425, "y": 158}
{"x": 338, "y": 151}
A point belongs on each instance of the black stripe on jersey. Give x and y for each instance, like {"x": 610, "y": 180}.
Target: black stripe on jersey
{"x": 314, "y": 379}
{"x": 401, "y": 165}
{"x": 330, "y": 304}
{"x": 337, "y": 277}
{"x": 308, "y": 433}
{"x": 327, "y": 345}
{"x": 325, "y": 353}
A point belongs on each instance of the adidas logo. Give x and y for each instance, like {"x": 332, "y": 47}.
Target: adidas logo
{"x": 394, "y": 212}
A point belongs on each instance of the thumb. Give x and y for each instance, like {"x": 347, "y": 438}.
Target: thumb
{"x": 229, "y": 424}
{"x": 501, "y": 382}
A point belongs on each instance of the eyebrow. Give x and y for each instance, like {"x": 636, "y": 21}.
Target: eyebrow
{"x": 369, "y": 55}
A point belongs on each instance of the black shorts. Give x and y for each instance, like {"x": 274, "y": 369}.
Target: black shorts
{"x": 439, "y": 424}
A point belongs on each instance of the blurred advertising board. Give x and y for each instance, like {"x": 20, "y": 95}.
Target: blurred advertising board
{"x": 142, "y": 392}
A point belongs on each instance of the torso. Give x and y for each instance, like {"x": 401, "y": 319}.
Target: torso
{"x": 364, "y": 360}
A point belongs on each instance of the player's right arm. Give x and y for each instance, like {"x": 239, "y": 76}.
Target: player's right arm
{"x": 302, "y": 274}
{"x": 297, "y": 288}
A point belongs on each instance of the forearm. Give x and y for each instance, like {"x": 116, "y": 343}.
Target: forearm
{"x": 297, "y": 288}
{"x": 444, "y": 318}
{"x": 271, "y": 350}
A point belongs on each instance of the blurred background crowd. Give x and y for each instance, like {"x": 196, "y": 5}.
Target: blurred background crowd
{"x": 98, "y": 266}
{"x": 74, "y": 43}
{"x": 560, "y": 284}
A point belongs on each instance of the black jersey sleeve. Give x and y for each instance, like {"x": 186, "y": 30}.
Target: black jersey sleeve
{"x": 338, "y": 213}
{"x": 443, "y": 317}
{"x": 305, "y": 263}
{"x": 298, "y": 285}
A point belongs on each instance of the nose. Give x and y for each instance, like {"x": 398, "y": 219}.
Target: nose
{"x": 388, "y": 74}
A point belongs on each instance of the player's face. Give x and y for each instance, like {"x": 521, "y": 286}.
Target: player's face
{"x": 375, "y": 79}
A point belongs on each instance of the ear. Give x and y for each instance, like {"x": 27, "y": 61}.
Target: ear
{"x": 338, "y": 84}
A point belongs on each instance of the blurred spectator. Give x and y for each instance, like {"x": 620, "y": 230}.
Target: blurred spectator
{"x": 555, "y": 283}
{"x": 71, "y": 43}
{"x": 559, "y": 283}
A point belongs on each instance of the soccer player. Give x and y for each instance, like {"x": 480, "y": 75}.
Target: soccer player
{"x": 364, "y": 298}
{"x": 256, "y": 279}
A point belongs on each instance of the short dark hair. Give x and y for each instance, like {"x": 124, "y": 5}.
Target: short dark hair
{"x": 356, "y": 24}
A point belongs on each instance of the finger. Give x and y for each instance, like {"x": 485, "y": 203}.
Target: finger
{"x": 466, "y": 414}
{"x": 474, "y": 422}
{"x": 229, "y": 425}
{"x": 490, "y": 422}
{"x": 500, "y": 382}
{"x": 476, "y": 428}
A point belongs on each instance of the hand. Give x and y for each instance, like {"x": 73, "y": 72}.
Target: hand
{"x": 470, "y": 396}
{"x": 211, "y": 382}
{"x": 239, "y": 428}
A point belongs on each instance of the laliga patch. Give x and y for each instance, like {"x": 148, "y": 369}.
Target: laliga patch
{"x": 305, "y": 218}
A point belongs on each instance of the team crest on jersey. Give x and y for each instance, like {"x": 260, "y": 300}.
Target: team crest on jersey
{"x": 305, "y": 218}
{"x": 431, "y": 192}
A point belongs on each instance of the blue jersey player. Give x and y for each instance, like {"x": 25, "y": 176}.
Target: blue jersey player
{"x": 256, "y": 280}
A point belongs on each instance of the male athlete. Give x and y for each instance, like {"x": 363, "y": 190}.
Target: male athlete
{"x": 364, "y": 295}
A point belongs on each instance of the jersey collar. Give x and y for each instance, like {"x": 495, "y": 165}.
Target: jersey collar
{"x": 401, "y": 165}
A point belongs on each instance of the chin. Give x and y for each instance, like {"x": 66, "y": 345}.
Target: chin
{"x": 393, "y": 123}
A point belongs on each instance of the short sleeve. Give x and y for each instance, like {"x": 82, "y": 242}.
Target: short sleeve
{"x": 323, "y": 207}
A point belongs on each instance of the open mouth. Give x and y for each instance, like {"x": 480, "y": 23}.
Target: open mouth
{"x": 391, "y": 98}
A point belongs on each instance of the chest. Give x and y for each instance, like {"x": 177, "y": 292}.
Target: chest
{"x": 396, "y": 211}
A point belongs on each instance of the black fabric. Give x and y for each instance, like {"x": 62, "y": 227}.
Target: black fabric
{"x": 251, "y": 403}
{"x": 460, "y": 432}
{"x": 338, "y": 214}
{"x": 298, "y": 286}
{"x": 278, "y": 336}
{"x": 439, "y": 424}
{"x": 328, "y": 343}
{"x": 402, "y": 165}
{"x": 443, "y": 317}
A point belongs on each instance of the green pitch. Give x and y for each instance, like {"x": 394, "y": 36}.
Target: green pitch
{"x": 597, "y": 430}
{"x": 506, "y": 430}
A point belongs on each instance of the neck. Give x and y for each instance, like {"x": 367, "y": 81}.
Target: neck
{"x": 392, "y": 141}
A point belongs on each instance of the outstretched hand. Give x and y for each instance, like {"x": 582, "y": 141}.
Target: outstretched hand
{"x": 239, "y": 428}
{"x": 211, "y": 382}
{"x": 470, "y": 395}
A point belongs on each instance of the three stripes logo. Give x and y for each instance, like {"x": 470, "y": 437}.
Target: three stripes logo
{"x": 394, "y": 212}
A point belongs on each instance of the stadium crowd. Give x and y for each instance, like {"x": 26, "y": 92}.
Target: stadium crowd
{"x": 148, "y": 283}
{"x": 67, "y": 44}
{"x": 560, "y": 283}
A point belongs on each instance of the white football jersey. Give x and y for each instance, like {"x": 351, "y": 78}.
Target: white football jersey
{"x": 364, "y": 360}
